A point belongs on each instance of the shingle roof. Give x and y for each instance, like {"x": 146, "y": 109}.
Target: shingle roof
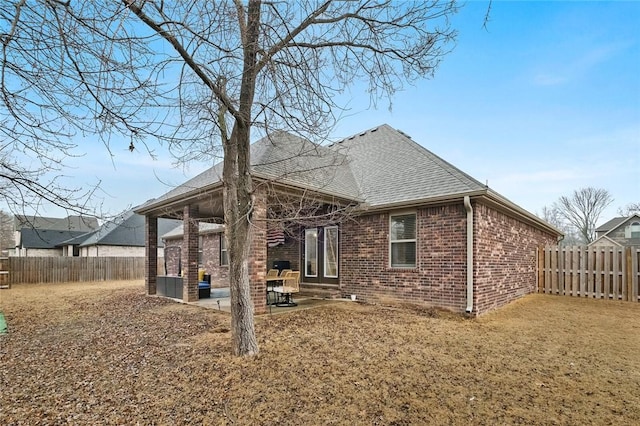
{"x": 126, "y": 230}
{"x": 611, "y": 224}
{"x": 389, "y": 168}
{"x": 45, "y": 238}
{"x": 284, "y": 158}
{"x": 380, "y": 168}
{"x": 69, "y": 223}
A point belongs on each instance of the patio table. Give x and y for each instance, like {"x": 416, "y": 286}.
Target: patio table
{"x": 270, "y": 284}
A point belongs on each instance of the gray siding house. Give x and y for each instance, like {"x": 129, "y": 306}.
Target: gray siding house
{"x": 619, "y": 232}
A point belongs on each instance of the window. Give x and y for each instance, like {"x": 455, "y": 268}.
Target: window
{"x": 635, "y": 230}
{"x": 200, "y": 257}
{"x": 331, "y": 252}
{"x": 224, "y": 256}
{"x": 402, "y": 240}
{"x": 311, "y": 252}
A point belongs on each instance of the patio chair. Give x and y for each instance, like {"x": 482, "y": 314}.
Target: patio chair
{"x": 284, "y": 272}
{"x": 290, "y": 285}
{"x": 271, "y": 274}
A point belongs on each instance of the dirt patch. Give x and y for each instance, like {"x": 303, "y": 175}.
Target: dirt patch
{"x": 107, "y": 354}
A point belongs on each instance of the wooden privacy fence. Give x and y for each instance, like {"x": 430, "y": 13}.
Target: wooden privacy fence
{"x": 597, "y": 272}
{"x": 74, "y": 269}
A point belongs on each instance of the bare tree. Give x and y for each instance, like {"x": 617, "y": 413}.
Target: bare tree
{"x": 190, "y": 73}
{"x": 7, "y": 240}
{"x": 552, "y": 216}
{"x": 629, "y": 209}
{"x": 583, "y": 208}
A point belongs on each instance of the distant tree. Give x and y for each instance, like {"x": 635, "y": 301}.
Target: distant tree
{"x": 194, "y": 72}
{"x": 552, "y": 216}
{"x": 7, "y": 240}
{"x": 629, "y": 209}
{"x": 582, "y": 209}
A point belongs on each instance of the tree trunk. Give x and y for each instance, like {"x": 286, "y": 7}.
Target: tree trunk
{"x": 238, "y": 203}
{"x": 237, "y": 215}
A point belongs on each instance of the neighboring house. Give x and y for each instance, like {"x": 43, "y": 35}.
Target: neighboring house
{"x": 120, "y": 237}
{"x": 419, "y": 230}
{"x": 41, "y": 236}
{"x": 619, "y": 232}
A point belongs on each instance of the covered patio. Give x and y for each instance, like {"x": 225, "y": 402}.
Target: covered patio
{"x": 306, "y": 244}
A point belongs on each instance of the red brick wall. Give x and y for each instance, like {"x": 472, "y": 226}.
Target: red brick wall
{"x": 172, "y": 250}
{"x": 190, "y": 254}
{"x": 504, "y": 257}
{"x": 210, "y": 255}
{"x": 151, "y": 254}
{"x": 257, "y": 261}
{"x": 290, "y": 251}
{"x": 439, "y": 278}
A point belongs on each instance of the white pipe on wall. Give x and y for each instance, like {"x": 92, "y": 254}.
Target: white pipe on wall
{"x": 469, "y": 209}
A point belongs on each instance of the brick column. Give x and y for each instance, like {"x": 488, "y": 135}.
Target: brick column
{"x": 151, "y": 254}
{"x": 258, "y": 252}
{"x": 190, "y": 254}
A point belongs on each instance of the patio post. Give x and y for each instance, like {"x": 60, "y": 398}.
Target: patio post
{"x": 190, "y": 254}
{"x": 151, "y": 254}
{"x": 258, "y": 252}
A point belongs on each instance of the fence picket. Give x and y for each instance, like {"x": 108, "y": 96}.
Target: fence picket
{"x": 598, "y": 272}
{"x": 75, "y": 269}
{"x": 575, "y": 265}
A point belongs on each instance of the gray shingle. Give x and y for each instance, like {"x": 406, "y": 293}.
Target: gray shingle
{"x": 391, "y": 168}
{"x": 611, "y": 224}
{"x": 379, "y": 166}
{"x": 45, "y": 238}
{"x": 69, "y": 223}
{"x": 126, "y": 230}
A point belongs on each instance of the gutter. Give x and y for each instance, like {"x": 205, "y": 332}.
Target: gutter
{"x": 469, "y": 209}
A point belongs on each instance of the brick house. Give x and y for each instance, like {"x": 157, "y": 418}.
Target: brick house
{"x": 38, "y": 236}
{"x": 378, "y": 216}
{"x": 618, "y": 232}
{"x": 122, "y": 236}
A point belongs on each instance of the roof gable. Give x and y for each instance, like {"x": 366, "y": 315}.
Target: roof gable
{"x": 621, "y": 223}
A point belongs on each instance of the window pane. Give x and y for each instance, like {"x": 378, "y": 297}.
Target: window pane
{"x": 224, "y": 259}
{"x": 403, "y": 255}
{"x": 331, "y": 252}
{"x": 311, "y": 252}
{"x": 403, "y": 227}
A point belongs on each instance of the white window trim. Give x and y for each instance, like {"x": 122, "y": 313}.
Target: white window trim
{"x": 414, "y": 240}
{"x": 225, "y": 250}
{"x": 306, "y": 252}
{"x": 326, "y": 274}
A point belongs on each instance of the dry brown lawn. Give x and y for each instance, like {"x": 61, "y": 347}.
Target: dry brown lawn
{"x": 104, "y": 353}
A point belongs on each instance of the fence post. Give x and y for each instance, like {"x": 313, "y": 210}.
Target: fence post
{"x": 540, "y": 265}
{"x": 629, "y": 272}
{"x": 5, "y": 281}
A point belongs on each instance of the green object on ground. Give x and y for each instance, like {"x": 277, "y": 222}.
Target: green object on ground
{"x": 3, "y": 324}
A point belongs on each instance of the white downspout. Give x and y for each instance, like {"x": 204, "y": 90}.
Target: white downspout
{"x": 467, "y": 206}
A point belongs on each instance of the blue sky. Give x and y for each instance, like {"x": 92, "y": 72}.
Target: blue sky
{"x": 543, "y": 101}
